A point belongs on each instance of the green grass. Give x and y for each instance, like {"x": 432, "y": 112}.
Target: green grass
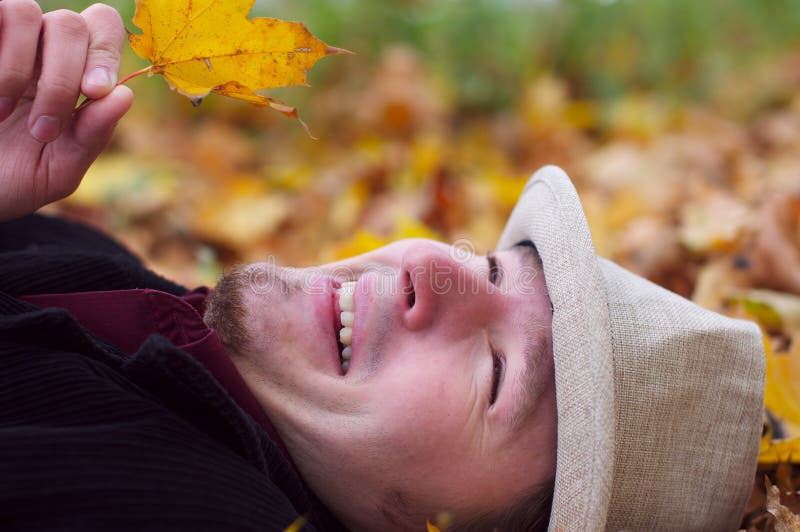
{"x": 486, "y": 50}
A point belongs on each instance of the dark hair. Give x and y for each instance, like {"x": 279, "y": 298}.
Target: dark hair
{"x": 529, "y": 513}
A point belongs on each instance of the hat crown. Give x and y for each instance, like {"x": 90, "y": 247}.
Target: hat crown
{"x": 687, "y": 408}
{"x": 659, "y": 401}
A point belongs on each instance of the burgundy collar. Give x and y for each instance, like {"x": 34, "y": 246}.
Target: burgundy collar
{"x": 126, "y": 318}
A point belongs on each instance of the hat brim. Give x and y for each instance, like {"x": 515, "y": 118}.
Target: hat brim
{"x": 550, "y": 214}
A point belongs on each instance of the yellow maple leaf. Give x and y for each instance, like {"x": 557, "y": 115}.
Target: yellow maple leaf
{"x": 781, "y": 393}
{"x": 297, "y": 525}
{"x": 772, "y": 452}
{"x": 203, "y": 46}
{"x": 440, "y": 524}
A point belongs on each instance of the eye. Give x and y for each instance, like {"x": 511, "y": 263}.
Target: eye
{"x": 494, "y": 269}
{"x": 498, "y": 368}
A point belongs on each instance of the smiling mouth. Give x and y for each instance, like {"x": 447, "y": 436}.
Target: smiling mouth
{"x": 344, "y": 323}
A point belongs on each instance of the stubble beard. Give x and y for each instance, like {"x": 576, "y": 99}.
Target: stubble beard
{"x": 227, "y": 310}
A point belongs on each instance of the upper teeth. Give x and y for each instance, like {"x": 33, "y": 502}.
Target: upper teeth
{"x": 347, "y": 317}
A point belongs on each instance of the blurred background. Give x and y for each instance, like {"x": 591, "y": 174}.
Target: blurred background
{"x": 679, "y": 121}
{"x": 675, "y": 118}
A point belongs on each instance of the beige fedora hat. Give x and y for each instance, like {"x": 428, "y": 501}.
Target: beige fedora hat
{"x": 659, "y": 401}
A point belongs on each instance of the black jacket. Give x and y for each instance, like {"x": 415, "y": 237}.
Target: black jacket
{"x": 94, "y": 439}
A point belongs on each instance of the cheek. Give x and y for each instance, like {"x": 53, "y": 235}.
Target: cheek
{"x": 424, "y": 407}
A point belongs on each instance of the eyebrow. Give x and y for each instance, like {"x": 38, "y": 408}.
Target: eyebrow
{"x": 528, "y": 385}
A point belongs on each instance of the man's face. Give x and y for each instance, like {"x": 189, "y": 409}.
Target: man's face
{"x": 448, "y": 403}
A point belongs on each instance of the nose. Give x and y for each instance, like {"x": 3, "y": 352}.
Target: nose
{"x": 440, "y": 283}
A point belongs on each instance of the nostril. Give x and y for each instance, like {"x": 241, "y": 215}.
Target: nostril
{"x": 412, "y": 298}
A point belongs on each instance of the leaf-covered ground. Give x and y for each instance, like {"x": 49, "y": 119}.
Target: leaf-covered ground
{"x": 701, "y": 196}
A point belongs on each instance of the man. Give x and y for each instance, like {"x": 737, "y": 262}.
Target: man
{"x": 372, "y": 394}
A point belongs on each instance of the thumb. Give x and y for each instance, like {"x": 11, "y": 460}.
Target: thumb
{"x": 106, "y": 37}
{"x": 93, "y": 125}
{"x": 88, "y": 134}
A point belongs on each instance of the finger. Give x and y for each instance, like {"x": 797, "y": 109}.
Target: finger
{"x": 106, "y": 36}
{"x": 87, "y": 135}
{"x": 64, "y": 43}
{"x": 20, "y": 23}
{"x": 94, "y": 124}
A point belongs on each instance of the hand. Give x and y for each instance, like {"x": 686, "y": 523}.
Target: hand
{"x": 45, "y": 146}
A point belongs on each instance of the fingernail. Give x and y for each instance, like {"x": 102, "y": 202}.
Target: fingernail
{"x": 46, "y": 128}
{"x": 6, "y": 108}
{"x": 99, "y": 77}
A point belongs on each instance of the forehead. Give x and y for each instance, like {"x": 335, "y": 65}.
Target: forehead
{"x": 523, "y": 276}
{"x": 526, "y": 323}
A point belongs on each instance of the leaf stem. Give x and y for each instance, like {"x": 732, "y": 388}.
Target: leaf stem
{"x": 133, "y": 75}
{"x": 127, "y": 78}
